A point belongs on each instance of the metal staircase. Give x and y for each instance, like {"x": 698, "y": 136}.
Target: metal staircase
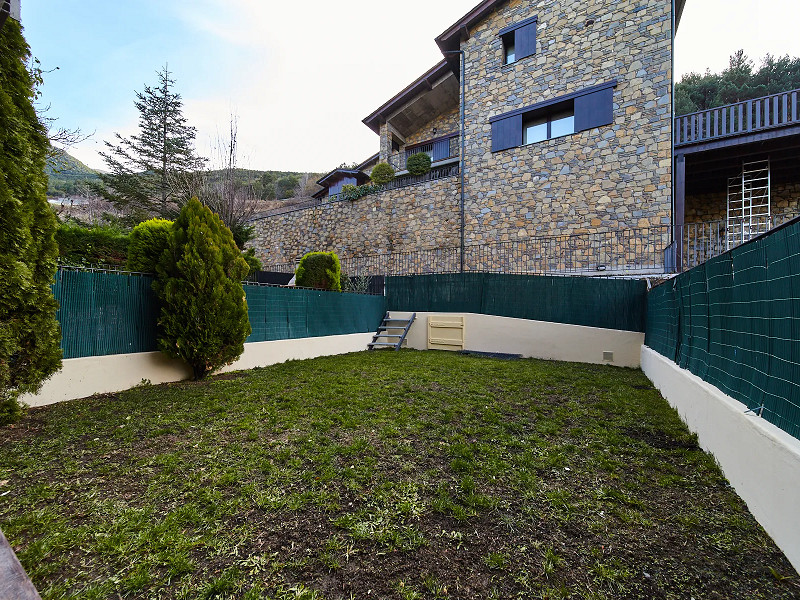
{"x": 384, "y": 339}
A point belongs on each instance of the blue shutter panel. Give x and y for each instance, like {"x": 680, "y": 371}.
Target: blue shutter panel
{"x": 594, "y": 110}
{"x": 507, "y": 133}
{"x": 525, "y": 41}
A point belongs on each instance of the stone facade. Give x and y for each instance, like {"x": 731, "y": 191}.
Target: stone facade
{"x": 614, "y": 176}
{"x": 784, "y": 200}
{"x": 416, "y": 217}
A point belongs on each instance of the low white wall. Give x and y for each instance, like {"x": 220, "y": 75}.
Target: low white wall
{"x": 536, "y": 339}
{"x": 81, "y": 377}
{"x": 761, "y": 461}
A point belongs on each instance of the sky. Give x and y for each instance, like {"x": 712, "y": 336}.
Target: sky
{"x": 298, "y": 76}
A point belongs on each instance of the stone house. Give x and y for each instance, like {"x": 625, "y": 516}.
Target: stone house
{"x": 566, "y": 132}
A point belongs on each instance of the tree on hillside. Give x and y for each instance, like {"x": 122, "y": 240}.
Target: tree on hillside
{"x": 141, "y": 167}
{"x": 738, "y": 82}
{"x": 29, "y": 333}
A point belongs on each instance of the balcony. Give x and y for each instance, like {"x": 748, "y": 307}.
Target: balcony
{"x": 439, "y": 149}
{"x": 751, "y": 117}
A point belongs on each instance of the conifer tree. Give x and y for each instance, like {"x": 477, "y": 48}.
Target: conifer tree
{"x": 29, "y": 332}
{"x": 203, "y": 309}
{"x": 142, "y": 167}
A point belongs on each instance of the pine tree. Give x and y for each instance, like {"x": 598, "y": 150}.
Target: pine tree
{"x": 29, "y": 332}
{"x": 203, "y": 310}
{"x": 142, "y": 167}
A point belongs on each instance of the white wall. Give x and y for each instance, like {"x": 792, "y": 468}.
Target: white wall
{"x": 536, "y": 339}
{"x": 761, "y": 461}
{"x": 81, "y": 377}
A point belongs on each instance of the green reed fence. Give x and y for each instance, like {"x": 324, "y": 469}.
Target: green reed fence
{"x": 595, "y": 302}
{"x": 734, "y": 321}
{"x": 104, "y": 313}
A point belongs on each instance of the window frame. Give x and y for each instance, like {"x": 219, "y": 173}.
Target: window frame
{"x": 522, "y": 36}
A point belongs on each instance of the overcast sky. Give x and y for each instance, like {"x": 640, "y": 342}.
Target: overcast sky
{"x": 301, "y": 75}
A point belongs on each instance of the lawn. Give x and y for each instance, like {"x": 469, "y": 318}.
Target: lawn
{"x": 381, "y": 475}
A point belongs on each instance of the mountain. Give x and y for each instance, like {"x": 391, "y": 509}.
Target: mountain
{"x": 67, "y": 176}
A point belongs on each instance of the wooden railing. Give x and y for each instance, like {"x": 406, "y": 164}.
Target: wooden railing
{"x": 750, "y": 116}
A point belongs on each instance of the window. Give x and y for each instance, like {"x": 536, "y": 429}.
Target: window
{"x": 540, "y": 126}
{"x": 565, "y": 115}
{"x": 519, "y": 40}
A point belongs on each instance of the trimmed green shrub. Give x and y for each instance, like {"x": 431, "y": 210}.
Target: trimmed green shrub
{"x": 203, "y": 318}
{"x": 249, "y": 256}
{"x": 96, "y": 245}
{"x": 29, "y": 333}
{"x": 382, "y": 173}
{"x": 319, "y": 270}
{"x": 147, "y": 243}
{"x": 348, "y": 190}
{"x": 418, "y": 164}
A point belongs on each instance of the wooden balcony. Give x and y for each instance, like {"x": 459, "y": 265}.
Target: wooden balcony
{"x": 752, "y": 118}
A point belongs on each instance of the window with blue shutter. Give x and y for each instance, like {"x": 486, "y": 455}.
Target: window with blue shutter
{"x": 519, "y": 40}
{"x": 564, "y": 115}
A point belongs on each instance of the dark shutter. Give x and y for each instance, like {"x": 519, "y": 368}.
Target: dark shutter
{"x": 507, "y": 133}
{"x": 525, "y": 41}
{"x": 594, "y": 110}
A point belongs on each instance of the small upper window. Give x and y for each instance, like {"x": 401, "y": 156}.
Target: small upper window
{"x": 519, "y": 40}
{"x": 509, "y": 55}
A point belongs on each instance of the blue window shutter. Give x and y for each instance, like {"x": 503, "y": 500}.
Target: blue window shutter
{"x": 525, "y": 41}
{"x": 507, "y": 133}
{"x": 594, "y": 110}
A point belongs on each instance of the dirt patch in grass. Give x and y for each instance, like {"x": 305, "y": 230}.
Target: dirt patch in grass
{"x": 381, "y": 475}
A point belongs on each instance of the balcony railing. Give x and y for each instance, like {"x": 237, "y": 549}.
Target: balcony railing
{"x": 750, "y": 116}
{"x": 705, "y": 240}
{"x": 442, "y": 148}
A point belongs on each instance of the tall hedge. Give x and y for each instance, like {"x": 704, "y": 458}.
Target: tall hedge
{"x": 203, "y": 316}
{"x": 94, "y": 245}
{"x": 319, "y": 270}
{"x": 147, "y": 243}
{"x": 29, "y": 332}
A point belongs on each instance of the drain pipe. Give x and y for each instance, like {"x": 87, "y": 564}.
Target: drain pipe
{"x": 463, "y": 145}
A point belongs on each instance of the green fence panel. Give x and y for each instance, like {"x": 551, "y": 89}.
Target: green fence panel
{"x": 105, "y": 313}
{"x": 596, "y": 302}
{"x": 738, "y": 324}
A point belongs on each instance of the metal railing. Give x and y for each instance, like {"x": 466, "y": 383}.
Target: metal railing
{"x": 618, "y": 252}
{"x": 749, "y": 116}
{"x": 438, "y": 149}
{"x": 704, "y": 240}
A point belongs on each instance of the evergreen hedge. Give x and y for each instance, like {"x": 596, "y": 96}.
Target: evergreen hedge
{"x": 203, "y": 318}
{"x": 418, "y": 164}
{"x": 94, "y": 245}
{"x": 319, "y": 270}
{"x": 147, "y": 243}
{"x": 382, "y": 173}
{"x": 29, "y": 333}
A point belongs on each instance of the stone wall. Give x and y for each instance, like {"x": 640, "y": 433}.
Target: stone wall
{"x": 785, "y": 200}
{"x": 415, "y": 217}
{"x": 444, "y": 125}
{"x": 613, "y": 176}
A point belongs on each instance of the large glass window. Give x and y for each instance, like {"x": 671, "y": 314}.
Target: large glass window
{"x": 544, "y": 127}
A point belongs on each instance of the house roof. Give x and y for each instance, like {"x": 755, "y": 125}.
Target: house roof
{"x": 340, "y": 173}
{"x": 374, "y": 158}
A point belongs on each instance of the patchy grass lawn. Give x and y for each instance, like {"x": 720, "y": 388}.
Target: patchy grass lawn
{"x": 381, "y": 475}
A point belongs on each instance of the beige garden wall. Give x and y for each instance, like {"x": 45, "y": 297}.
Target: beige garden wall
{"x": 761, "y": 461}
{"x": 536, "y": 339}
{"x": 81, "y": 377}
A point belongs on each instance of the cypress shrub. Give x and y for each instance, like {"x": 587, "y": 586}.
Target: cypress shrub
{"x": 252, "y": 261}
{"x": 29, "y": 333}
{"x": 95, "y": 245}
{"x": 319, "y": 270}
{"x": 203, "y": 318}
{"x": 147, "y": 243}
{"x": 418, "y": 164}
{"x": 382, "y": 173}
